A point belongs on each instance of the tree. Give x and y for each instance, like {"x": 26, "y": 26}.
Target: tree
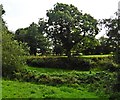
{"x": 13, "y": 53}
{"x": 44, "y": 43}
{"x": 68, "y": 26}
{"x": 58, "y": 49}
{"x": 20, "y": 34}
{"x": 111, "y": 26}
{"x": 34, "y": 38}
{"x": 89, "y": 45}
{"x": 105, "y": 47}
{"x": 30, "y": 38}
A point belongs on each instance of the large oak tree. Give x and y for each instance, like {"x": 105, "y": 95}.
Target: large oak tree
{"x": 68, "y": 26}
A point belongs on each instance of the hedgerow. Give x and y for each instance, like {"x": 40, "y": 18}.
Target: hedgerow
{"x": 64, "y": 63}
{"x": 74, "y": 63}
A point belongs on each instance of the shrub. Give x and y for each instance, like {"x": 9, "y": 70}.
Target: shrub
{"x": 74, "y": 63}
{"x": 115, "y": 96}
{"x": 108, "y": 64}
{"x": 12, "y": 54}
{"x": 60, "y": 62}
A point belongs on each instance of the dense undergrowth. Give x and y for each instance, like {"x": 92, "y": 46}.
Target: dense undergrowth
{"x": 74, "y": 63}
{"x": 95, "y": 75}
{"x": 98, "y": 82}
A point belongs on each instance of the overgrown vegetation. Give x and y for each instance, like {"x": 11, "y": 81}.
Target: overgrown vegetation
{"x": 13, "y": 53}
{"x": 68, "y": 33}
{"x": 77, "y": 63}
{"x": 98, "y": 82}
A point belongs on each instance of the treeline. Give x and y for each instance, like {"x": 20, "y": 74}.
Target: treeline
{"x": 68, "y": 31}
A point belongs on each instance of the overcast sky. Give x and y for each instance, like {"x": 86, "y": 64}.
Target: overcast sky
{"x": 21, "y": 13}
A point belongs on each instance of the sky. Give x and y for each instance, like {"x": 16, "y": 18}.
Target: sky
{"x": 21, "y": 13}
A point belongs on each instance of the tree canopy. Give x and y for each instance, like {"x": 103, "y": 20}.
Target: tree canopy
{"x": 12, "y": 52}
{"x": 111, "y": 25}
{"x": 34, "y": 37}
{"x": 68, "y": 26}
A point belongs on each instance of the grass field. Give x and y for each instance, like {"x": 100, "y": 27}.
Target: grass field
{"x": 55, "y": 70}
{"x": 15, "y": 89}
{"x": 73, "y": 84}
{"x": 94, "y": 56}
{"x": 82, "y": 56}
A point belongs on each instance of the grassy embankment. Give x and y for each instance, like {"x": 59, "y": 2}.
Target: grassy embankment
{"x": 58, "y": 83}
{"x": 72, "y": 86}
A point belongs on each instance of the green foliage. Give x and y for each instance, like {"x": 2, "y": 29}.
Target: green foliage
{"x": 100, "y": 82}
{"x": 34, "y": 37}
{"x": 108, "y": 64}
{"x": 12, "y": 54}
{"x": 90, "y": 62}
{"x": 65, "y": 63}
{"x": 87, "y": 46}
{"x": 115, "y": 96}
{"x": 58, "y": 49}
{"x": 104, "y": 47}
{"x": 68, "y": 26}
{"x": 112, "y": 26}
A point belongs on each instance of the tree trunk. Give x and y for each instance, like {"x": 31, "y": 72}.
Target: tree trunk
{"x": 68, "y": 53}
{"x": 33, "y": 51}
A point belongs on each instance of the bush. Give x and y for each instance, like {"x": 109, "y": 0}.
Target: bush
{"x": 60, "y": 62}
{"x": 75, "y": 63}
{"x": 108, "y": 64}
{"x": 12, "y": 54}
